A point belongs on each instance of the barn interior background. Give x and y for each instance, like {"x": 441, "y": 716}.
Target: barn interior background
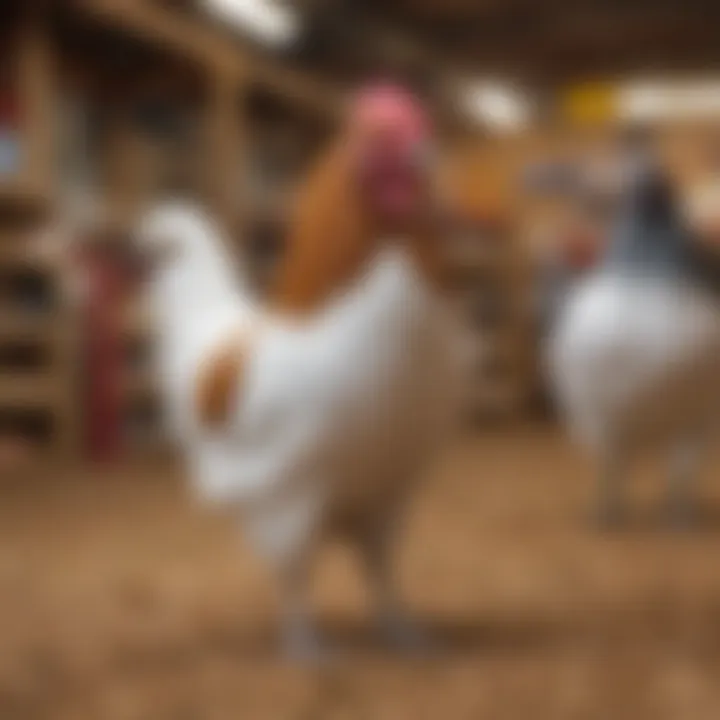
{"x": 105, "y": 105}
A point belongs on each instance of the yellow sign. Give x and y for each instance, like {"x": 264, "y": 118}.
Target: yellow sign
{"x": 589, "y": 104}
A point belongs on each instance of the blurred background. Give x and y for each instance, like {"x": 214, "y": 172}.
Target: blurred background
{"x": 118, "y": 599}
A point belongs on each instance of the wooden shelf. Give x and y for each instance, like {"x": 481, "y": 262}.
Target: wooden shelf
{"x": 27, "y": 325}
{"x": 40, "y": 335}
{"x": 23, "y": 198}
{"x": 30, "y": 390}
{"x": 15, "y": 256}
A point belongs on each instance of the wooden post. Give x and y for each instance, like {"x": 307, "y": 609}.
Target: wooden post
{"x": 37, "y": 75}
{"x": 131, "y": 171}
{"x": 224, "y": 142}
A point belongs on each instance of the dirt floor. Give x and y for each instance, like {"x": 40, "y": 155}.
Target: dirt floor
{"x": 122, "y": 600}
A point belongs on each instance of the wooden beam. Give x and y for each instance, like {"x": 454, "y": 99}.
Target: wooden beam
{"x": 159, "y": 26}
{"x": 131, "y": 170}
{"x": 593, "y": 38}
{"x": 224, "y": 143}
{"x": 37, "y": 76}
{"x": 212, "y": 49}
{"x": 298, "y": 87}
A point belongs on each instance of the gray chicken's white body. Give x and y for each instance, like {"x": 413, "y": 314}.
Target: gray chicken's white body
{"x": 634, "y": 357}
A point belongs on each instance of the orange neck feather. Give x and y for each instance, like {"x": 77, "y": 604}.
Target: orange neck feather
{"x": 332, "y": 239}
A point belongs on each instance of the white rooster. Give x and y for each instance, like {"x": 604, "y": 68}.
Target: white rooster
{"x": 315, "y": 418}
{"x": 635, "y": 356}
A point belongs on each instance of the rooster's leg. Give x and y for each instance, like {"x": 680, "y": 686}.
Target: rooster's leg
{"x": 285, "y": 532}
{"x": 394, "y": 621}
{"x": 300, "y": 638}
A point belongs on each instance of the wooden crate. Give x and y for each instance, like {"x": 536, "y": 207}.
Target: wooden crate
{"x": 25, "y": 201}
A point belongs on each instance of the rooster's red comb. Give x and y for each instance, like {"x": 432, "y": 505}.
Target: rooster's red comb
{"x": 385, "y": 103}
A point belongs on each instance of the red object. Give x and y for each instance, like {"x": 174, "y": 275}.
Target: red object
{"x": 104, "y": 365}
